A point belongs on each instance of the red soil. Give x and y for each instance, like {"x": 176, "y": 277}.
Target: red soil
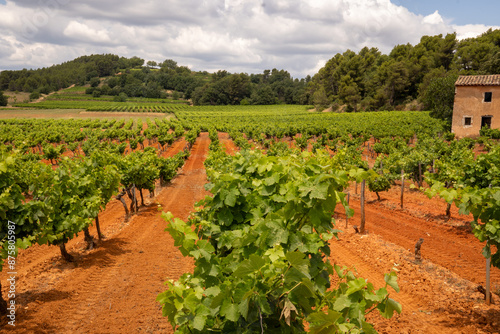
{"x": 227, "y": 143}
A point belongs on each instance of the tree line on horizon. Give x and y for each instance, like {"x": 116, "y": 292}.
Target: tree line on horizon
{"x": 417, "y": 77}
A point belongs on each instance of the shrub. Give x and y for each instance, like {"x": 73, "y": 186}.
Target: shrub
{"x": 35, "y": 95}
{"x": 448, "y": 136}
{"x": 490, "y": 133}
{"x": 3, "y": 99}
{"x": 122, "y": 97}
{"x": 97, "y": 92}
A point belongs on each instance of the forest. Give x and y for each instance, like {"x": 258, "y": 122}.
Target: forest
{"x": 410, "y": 77}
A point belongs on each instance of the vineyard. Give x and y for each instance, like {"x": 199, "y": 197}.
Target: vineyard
{"x": 75, "y": 98}
{"x": 106, "y": 106}
{"x": 272, "y": 245}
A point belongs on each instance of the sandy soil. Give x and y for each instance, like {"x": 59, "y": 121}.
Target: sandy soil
{"x": 112, "y": 289}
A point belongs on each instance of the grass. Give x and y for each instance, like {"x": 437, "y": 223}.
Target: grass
{"x": 16, "y": 97}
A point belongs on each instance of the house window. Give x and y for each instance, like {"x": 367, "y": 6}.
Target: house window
{"x": 487, "y": 96}
{"x": 467, "y": 121}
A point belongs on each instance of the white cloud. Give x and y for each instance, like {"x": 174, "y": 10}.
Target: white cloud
{"x": 471, "y": 30}
{"x": 6, "y": 48}
{"x": 29, "y": 55}
{"x": 195, "y": 41}
{"x": 84, "y": 33}
{"x": 237, "y": 35}
{"x": 433, "y": 18}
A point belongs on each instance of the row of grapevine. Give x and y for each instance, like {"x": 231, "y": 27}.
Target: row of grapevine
{"x": 137, "y": 108}
{"x": 95, "y": 105}
{"x": 261, "y": 247}
{"x": 31, "y": 136}
{"x": 473, "y": 185}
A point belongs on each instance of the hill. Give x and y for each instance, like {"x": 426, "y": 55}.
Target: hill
{"x": 368, "y": 80}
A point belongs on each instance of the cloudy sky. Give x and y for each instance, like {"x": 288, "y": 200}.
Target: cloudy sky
{"x": 236, "y": 35}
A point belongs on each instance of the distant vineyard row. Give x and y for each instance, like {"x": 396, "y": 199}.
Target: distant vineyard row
{"x": 105, "y": 106}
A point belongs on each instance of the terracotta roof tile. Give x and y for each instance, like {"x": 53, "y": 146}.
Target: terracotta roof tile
{"x": 478, "y": 80}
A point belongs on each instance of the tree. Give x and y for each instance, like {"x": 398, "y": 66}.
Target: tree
{"x": 263, "y": 95}
{"x": 94, "y": 82}
{"x": 230, "y": 89}
{"x": 113, "y": 82}
{"x": 152, "y": 90}
{"x": 349, "y": 93}
{"x": 439, "y": 97}
{"x": 96, "y": 92}
{"x": 219, "y": 75}
{"x": 320, "y": 100}
{"x": 3, "y": 99}
{"x": 136, "y": 62}
{"x": 106, "y": 65}
{"x": 493, "y": 64}
{"x": 151, "y": 63}
{"x": 394, "y": 77}
{"x": 447, "y": 49}
{"x": 439, "y": 72}
{"x": 169, "y": 64}
{"x": 472, "y": 54}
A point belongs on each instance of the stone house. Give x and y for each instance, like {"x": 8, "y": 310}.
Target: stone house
{"x": 477, "y": 104}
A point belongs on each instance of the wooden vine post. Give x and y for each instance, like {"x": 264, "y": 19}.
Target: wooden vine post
{"x": 488, "y": 266}
{"x": 419, "y": 174}
{"x": 362, "y": 227}
{"x": 402, "y": 186}
{"x": 418, "y": 254}
{"x": 488, "y": 294}
{"x": 346, "y": 217}
{"x": 98, "y": 227}
{"x": 134, "y": 198}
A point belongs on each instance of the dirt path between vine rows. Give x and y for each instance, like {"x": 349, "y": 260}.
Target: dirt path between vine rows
{"x": 113, "y": 288}
{"x": 448, "y": 243}
{"x": 227, "y": 143}
{"x": 433, "y": 299}
{"x": 438, "y": 295}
